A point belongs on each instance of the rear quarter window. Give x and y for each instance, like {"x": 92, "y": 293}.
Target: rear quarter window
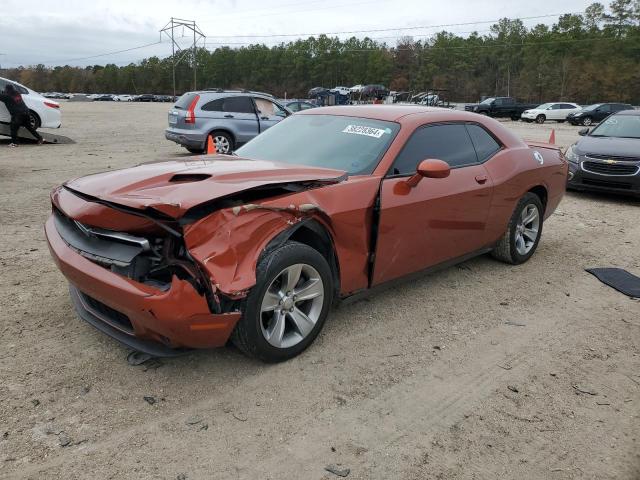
{"x": 486, "y": 146}
{"x": 185, "y": 100}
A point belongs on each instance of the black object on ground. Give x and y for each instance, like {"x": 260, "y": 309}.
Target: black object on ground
{"x": 618, "y": 278}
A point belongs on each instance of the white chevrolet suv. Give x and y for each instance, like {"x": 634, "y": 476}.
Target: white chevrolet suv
{"x": 43, "y": 112}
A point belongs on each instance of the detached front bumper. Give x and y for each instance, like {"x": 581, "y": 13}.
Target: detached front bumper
{"x": 581, "y": 178}
{"x": 145, "y": 318}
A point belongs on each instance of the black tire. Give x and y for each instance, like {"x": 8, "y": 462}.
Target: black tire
{"x": 34, "y": 120}
{"x": 505, "y": 250}
{"x": 515, "y": 118}
{"x": 197, "y": 151}
{"x": 540, "y": 119}
{"x": 586, "y": 121}
{"x": 248, "y": 335}
{"x": 220, "y": 138}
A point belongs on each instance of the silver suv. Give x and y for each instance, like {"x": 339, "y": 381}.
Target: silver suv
{"x": 231, "y": 117}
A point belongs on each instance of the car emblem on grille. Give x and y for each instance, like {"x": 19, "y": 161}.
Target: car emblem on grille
{"x": 610, "y": 161}
{"x": 538, "y": 157}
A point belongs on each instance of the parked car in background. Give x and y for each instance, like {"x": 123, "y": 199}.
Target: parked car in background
{"x": 123, "y": 98}
{"x": 145, "y": 97}
{"x": 43, "y": 112}
{"x": 550, "y": 111}
{"x": 374, "y": 91}
{"x": 298, "y": 105}
{"x": 341, "y": 90}
{"x": 596, "y": 113}
{"x": 356, "y": 88}
{"x": 163, "y": 98}
{"x": 231, "y": 117}
{"x": 607, "y": 157}
{"x": 329, "y": 203}
{"x": 501, "y": 107}
{"x": 105, "y": 98}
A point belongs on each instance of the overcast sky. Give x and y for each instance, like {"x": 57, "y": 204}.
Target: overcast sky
{"x": 66, "y": 31}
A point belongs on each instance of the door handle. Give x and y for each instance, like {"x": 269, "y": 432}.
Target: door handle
{"x": 481, "y": 179}
{"x": 228, "y": 116}
{"x": 264, "y": 118}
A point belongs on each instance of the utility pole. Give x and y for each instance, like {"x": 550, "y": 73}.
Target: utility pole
{"x": 192, "y": 51}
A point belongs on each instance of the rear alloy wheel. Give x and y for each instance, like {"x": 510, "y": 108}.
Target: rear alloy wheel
{"x": 223, "y": 142}
{"x": 586, "y": 121}
{"x": 540, "y": 119}
{"x": 287, "y": 308}
{"x": 523, "y": 233}
{"x": 34, "y": 120}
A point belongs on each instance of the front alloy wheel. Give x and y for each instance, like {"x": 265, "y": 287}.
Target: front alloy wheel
{"x": 283, "y": 314}
{"x": 222, "y": 143}
{"x": 292, "y": 305}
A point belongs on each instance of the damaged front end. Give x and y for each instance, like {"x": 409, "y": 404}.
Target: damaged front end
{"x": 161, "y": 284}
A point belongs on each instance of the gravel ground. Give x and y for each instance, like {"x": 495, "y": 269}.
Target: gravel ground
{"x": 424, "y": 381}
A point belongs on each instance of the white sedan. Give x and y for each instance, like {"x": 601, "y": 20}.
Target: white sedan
{"x": 43, "y": 112}
{"x": 550, "y": 111}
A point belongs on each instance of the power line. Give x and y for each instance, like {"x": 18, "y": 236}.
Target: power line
{"x": 102, "y": 54}
{"x": 312, "y": 34}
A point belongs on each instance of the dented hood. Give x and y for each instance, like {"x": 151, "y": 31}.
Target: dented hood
{"x": 174, "y": 187}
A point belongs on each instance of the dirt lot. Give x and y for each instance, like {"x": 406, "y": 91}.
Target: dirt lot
{"x": 425, "y": 381}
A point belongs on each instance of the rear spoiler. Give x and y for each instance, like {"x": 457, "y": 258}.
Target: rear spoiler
{"x": 551, "y": 144}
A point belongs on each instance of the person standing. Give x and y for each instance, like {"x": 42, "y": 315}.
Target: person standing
{"x": 19, "y": 114}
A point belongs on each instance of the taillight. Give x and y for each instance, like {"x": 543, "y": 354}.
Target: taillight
{"x": 191, "y": 116}
{"x": 52, "y": 105}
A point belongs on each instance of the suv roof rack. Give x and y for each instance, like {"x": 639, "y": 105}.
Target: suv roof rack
{"x": 244, "y": 90}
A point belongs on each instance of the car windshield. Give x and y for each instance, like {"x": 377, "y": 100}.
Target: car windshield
{"x": 592, "y": 107}
{"x": 487, "y": 101}
{"x": 620, "y": 126}
{"x": 344, "y": 143}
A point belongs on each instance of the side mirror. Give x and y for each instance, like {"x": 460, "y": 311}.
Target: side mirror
{"x": 583, "y": 132}
{"x": 430, "y": 168}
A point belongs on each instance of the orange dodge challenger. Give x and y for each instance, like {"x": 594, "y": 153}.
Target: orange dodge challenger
{"x": 331, "y": 202}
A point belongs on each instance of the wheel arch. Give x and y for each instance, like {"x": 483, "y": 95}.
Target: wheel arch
{"x": 542, "y": 193}
{"x": 314, "y": 234}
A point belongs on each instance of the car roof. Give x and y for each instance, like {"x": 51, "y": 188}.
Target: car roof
{"x": 389, "y": 113}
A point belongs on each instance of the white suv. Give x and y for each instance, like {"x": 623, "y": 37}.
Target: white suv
{"x": 43, "y": 112}
{"x": 550, "y": 111}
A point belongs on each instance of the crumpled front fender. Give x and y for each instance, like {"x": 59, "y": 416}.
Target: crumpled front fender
{"x": 229, "y": 242}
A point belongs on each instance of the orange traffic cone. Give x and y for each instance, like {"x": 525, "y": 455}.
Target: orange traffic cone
{"x": 552, "y": 137}
{"x": 211, "y": 146}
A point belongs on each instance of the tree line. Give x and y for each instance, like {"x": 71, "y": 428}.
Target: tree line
{"x": 588, "y": 57}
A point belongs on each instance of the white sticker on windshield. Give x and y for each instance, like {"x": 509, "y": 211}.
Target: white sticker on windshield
{"x": 362, "y": 130}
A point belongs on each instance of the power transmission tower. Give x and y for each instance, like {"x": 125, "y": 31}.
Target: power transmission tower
{"x": 191, "y": 51}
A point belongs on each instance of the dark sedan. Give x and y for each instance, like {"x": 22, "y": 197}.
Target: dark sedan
{"x": 607, "y": 158}
{"x": 596, "y": 113}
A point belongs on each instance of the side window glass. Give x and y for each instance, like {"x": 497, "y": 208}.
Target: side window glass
{"x": 483, "y": 142}
{"x": 557, "y": 106}
{"x": 22, "y": 90}
{"x": 238, "y": 105}
{"x": 213, "y": 106}
{"x": 605, "y": 108}
{"x": 295, "y": 107}
{"x": 305, "y": 106}
{"x": 450, "y": 143}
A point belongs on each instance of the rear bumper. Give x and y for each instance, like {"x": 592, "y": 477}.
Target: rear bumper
{"x": 141, "y": 316}
{"x": 579, "y": 179}
{"x": 189, "y": 140}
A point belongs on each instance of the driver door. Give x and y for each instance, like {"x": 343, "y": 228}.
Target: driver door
{"x": 440, "y": 218}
